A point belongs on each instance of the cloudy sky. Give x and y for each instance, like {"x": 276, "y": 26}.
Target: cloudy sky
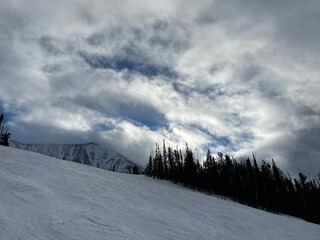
{"x": 233, "y": 76}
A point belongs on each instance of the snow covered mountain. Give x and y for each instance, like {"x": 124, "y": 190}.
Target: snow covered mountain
{"x": 42, "y": 198}
{"x": 90, "y": 154}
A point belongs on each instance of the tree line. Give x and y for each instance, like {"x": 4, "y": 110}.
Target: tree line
{"x": 263, "y": 185}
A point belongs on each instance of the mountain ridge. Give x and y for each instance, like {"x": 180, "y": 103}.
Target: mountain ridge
{"x": 90, "y": 153}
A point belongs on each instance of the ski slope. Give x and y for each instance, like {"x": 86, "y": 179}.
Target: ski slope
{"x": 45, "y": 198}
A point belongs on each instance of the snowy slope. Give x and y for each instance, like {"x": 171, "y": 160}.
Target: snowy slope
{"x": 44, "y": 198}
{"x": 89, "y": 153}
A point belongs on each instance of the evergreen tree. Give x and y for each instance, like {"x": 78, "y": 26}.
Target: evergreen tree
{"x": 149, "y": 167}
{"x": 135, "y": 169}
{"x": 4, "y": 132}
{"x": 178, "y": 165}
{"x": 257, "y": 181}
{"x": 172, "y": 167}
{"x": 165, "y": 160}
{"x": 158, "y": 162}
{"x": 188, "y": 167}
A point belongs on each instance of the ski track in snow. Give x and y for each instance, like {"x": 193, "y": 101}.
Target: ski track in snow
{"x": 45, "y": 198}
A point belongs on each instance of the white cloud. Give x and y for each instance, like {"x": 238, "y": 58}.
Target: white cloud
{"x": 242, "y": 71}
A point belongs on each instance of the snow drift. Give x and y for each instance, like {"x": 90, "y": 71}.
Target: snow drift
{"x": 45, "y": 198}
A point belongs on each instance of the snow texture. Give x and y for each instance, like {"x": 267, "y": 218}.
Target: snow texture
{"x": 90, "y": 154}
{"x": 45, "y": 198}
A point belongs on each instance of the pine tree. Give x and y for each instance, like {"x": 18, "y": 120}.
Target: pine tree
{"x": 135, "y": 170}
{"x": 172, "y": 167}
{"x": 4, "y": 132}
{"x": 178, "y": 165}
{"x": 165, "y": 160}
{"x": 149, "y": 167}
{"x": 189, "y": 167}
{"x": 211, "y": 172}
{"x": 257, "y": 181}
{"x": 158, "y": 164}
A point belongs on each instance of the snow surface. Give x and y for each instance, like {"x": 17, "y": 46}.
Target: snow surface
{"x": 45, "y": 198}
{"x": 88, "y": 153}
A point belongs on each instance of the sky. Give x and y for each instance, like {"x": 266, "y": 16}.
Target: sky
{"x": 238, "y": 76}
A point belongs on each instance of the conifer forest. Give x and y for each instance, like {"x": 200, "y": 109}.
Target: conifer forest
{"x": 263, "y": 185}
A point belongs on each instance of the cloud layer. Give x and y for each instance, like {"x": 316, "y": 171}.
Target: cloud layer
{"x": 235, "y": 76}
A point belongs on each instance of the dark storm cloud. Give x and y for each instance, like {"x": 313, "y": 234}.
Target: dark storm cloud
{"x": 37, "y": 132}
{"x": 301, "y": 148}
{"x": 306, "y": 150}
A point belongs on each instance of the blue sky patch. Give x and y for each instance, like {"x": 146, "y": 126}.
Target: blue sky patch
{"x": 145, "y": 116}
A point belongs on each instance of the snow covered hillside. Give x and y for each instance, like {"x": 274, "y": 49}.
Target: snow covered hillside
{"x": 89, "y": 153}
{"x": 45, "y": 198}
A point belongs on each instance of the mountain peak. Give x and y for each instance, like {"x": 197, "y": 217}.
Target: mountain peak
{"x": 91, "y": 154}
